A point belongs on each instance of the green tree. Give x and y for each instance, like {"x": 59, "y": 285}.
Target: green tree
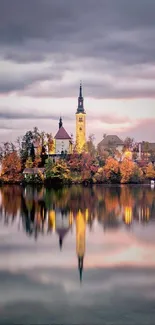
{"x": 6, "y": 148}
{"x": 57, "y": 172}
{"x": 48, "y": 167}
{"x": 32, "y": 152}
{"x": 26, "y": 144}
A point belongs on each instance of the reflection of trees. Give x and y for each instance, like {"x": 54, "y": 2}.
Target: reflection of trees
{"x": 10, "y": 201}
{"x": 38, "y": 206}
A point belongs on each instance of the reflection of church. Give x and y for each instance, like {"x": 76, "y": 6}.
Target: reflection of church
{"x": 63, "y": 226}
{"x": 60, "y": 212}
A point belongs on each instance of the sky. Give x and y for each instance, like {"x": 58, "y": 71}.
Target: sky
{"x": 48, "y": 46}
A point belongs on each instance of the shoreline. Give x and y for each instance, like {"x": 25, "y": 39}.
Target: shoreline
{"x": 85, "y": 184}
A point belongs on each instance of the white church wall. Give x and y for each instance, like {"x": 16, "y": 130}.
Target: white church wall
{"x": 62, "y": 145}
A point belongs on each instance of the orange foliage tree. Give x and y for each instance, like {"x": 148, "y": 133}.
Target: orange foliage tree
{"x": 111, "y": 169}
{"x": 11, "y": 167}
{"x": 126, "y": 170}
{"x": 130, "y": 172}
{"x": 150, "y": 171}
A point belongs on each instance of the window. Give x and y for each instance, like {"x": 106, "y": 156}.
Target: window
{"x": 80, "y": 119}
{"x": 80, "y": 129}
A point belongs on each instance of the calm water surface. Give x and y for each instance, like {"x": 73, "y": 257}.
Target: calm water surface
{"x": 77, "y": 255}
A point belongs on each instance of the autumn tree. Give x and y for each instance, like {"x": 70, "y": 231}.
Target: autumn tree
{"x": 130, "y": 172}
{"x": 37, "y": 161}
{"x": 137, "y": 175}
{"x": 128, "y": 143}
{"x": 11, "y": 167}
{"x": 57, "y": 172}
{"x": 74, "y": 162}
{"x": 112, "y": 171}
{"x": 50, "y": 143}
{"x": 6, "y": 148}
{"x": 101, "y": 155}
{"x": 126, "y": 170}
{"x": 88, "y": 166}
{"x": 48, "y": 167}
{"x": 29, "y": 163}
{"x": 150, "y": 171}
{"x": 99, "y": 176}
{"x": 26, "y": 144}
{"x": 89, "y": 146}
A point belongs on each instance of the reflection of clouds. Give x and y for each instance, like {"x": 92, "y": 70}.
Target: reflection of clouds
{"x": 103, "y": 249}
{"x": 42, "y": 283}
{"x": 109, "y": 294}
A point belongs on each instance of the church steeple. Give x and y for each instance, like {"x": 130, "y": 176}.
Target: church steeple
{"x": 80, "y": 108}
{"x": 80, "y": 94}
{"x": 60, "y": 122}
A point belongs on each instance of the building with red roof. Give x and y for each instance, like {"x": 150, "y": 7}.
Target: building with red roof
{"x": 63, "y": 141}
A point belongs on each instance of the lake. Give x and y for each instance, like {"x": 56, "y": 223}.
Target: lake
{"x": 77, "y": 255}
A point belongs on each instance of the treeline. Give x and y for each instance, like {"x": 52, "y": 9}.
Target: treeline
{"x": 91, "y": 166}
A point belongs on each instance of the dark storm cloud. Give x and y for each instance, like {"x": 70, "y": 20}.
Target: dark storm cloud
{"x": 51, "y": 19}
{"x": 7, "y": 114}
{"x": 120, "y": 33}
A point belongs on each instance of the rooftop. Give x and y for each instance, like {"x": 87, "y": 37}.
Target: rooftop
{"x": 112, "y": 140}
{"x": 62, "y": 134}
{"x": 147, "y": 146}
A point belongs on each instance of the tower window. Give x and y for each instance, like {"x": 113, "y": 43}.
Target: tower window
{"x": 80, "y": 129}
{"x": 80, "y": 119}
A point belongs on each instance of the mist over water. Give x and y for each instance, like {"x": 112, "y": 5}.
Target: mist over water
{"x": 77, "y": 255}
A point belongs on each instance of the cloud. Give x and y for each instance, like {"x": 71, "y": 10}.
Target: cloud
{"x": 106, "y": 54}
{"x": 48, "y": 46}
{"x": 110, "y": 119}
{"x": 142, "y": 129}
{"x": 7, "y": 114}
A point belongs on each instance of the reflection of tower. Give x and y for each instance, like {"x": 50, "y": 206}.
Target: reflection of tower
{"x": 128, "y": 215}
{"x": 51, "y": 220}
{"x": 62, "y": 226}
{"x": 80, "y": 123}
{"x": 80, "y": 240}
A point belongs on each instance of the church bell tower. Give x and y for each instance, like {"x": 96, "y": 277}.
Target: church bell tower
{"x": 80, "y": 123}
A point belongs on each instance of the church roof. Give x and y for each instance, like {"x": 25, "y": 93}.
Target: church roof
{"x": 111, "y": 140}
{"x": 62, "y": 134}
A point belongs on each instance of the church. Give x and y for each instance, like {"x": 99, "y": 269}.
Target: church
{"x": 63, "y": 142}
